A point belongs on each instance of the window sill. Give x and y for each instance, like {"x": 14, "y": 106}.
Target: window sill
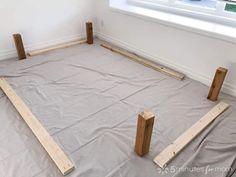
{"x": 219, "y": 31}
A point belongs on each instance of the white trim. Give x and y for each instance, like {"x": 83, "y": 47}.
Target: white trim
{"x": 11, "y": 53}
{"x": 7, "y": 54}
{"x": 214, "y": 30}
{"x": 216, "y": 14}
{"x": 227, "y": 88}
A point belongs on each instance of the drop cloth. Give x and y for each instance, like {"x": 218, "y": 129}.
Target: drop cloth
{"x": 88, "y": 99}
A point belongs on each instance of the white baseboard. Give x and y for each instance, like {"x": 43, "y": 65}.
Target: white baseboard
{"x": 11, "y": 53}
{"x": 6, "y": 54}
{"x": 227, "y": 88}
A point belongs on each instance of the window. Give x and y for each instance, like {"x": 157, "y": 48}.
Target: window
{"x": 218, "y": 11}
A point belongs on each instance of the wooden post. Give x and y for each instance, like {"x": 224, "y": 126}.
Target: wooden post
{"x": 89, "y": 30}
{"x": 19, "y": 46}
{"x": 144, "y": 132}
{"x": 217, "y": 84}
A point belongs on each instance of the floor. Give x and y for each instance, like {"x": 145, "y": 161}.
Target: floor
{"x": 88, "y": 99}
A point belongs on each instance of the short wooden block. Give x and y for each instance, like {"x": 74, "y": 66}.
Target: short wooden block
{"x": 89, "y": 30}
{"x": 144, "y": 132}
{"x": 19, "y": 46}
{"x": 217, "y": 84}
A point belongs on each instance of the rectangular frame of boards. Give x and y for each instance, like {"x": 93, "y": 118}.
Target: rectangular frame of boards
{"x": 145, "y": 119}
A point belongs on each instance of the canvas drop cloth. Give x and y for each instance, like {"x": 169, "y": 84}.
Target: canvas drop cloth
{"x": 88, "y": 99}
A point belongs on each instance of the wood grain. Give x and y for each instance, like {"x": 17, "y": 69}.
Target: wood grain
{"x": 144, "y": 133}
{"x": 180, "y": 143}
{"x": 54, "y": 151}
{"x": 145, "y": 62}
{"x": 19, "y": 46}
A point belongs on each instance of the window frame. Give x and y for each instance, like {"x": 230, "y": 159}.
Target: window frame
{"x": 216, "y": 15}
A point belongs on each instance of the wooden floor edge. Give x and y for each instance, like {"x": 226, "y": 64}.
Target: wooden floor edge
{"x": 163, "y": 158}
{"x": 56, "y": 47}
{"x": 54, "y": 151}
{"x": 145, "y": 62}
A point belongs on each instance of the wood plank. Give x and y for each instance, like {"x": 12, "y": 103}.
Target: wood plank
{"x": 180, "y": 143}
{"x": 144, "y": 132}
{"x": 56, "y": 47}
{"x": 54, "y": 151}
{"x": 19, "y": 46}
{"x": 145, "y": 62}
{"x": 89, "y": 32}
{"x": 217, "y": 84}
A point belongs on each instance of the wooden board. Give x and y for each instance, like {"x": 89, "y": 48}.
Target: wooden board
{"x": 217, "y": 84}
{"x": 61, "y": 46}
{"x": 145, "y": 62}
{"x": 180, "y": 143}
{"x": 54, "y": 151}
{"x": 19, "y": 46}
{"x": 144, "y": 132}
{"x": 89, "y": 32}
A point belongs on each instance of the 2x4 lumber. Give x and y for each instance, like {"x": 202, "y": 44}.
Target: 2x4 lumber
{"x": 180, "y": 143}
{"x": 54, "y": 151}
{"x": 19, "y": 46}
{"x": 144, "y": 132}
{"x": 56, "y": 47}
{"x": 217, "y": 84}
{"x": 89, "y": 32}
{"x": 145, "y": 62}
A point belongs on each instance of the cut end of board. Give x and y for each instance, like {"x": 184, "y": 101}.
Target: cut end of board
{"x": 147, "y": 115}
{"x": 68, "y": 169}
{"x": 56, "y": 47}
{"x": 159, "y": 163}
{"x": 144, "y": 132}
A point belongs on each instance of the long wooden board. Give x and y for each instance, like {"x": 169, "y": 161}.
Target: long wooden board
{"x": 145, "y": 62}
{"x": 60, "y": 46}
{"x": 180, "y": 143}
{"x": 54, "y": 151}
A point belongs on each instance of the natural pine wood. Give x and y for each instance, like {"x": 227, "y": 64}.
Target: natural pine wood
{"x": 56, "y": 47}
{"x": 217, "y": 84}
{"x": 89, "y": 31}
{"x": 54, "y": 151}
{"x": 19, "y": 46}
{"x": 145, "y": 62}
{"x": 144, "y": 133}
{"x": 180, "y": 143}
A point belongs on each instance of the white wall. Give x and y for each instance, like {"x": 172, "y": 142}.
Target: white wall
{"x": 42, "y": 22}
{"x": 196, "y": 55}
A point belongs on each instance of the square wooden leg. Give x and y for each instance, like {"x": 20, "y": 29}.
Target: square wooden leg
{"x": 19, "y": 46}
{"x": 144, "y": 133}
{"x": 217, "y": 84}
